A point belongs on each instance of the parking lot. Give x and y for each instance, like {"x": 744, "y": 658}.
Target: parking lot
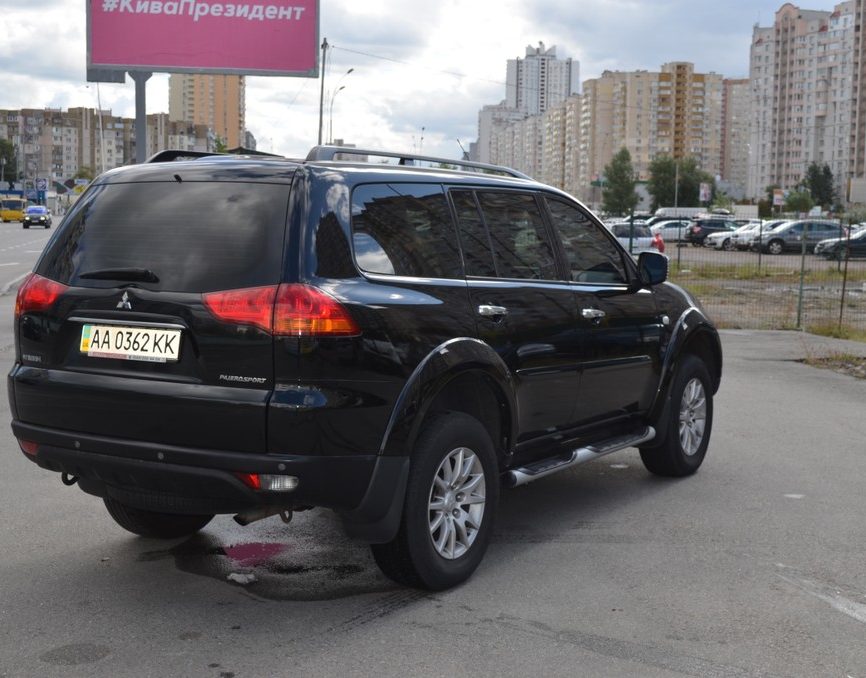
{"x": 753, "y": 567}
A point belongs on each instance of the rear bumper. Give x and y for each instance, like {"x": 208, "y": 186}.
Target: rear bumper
{"x": 186, "y": 480}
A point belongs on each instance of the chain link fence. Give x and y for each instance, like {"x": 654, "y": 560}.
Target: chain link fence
{"x": 753, "y": 289}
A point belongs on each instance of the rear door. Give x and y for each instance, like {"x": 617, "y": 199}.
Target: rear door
{"x": 524, "y": 307}
{"x": 133, "y": 348}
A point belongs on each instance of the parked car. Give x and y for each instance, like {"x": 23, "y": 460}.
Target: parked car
{"x": 724, "y": 240}
{"x": 36, "y": 215}
{"x": 672, "y": 230}
{"x": 391, "y": 342}
{"x": 750, "y": 239}
{"x": 840, "y": 248}
{"x": 636, "y": 239}
{"x": 701, "y": 228}
{"x": 795, "y": 235}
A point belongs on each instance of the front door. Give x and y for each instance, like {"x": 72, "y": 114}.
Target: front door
{"x": 621, "y": 362}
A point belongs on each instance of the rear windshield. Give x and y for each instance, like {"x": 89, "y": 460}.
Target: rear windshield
{"x": 193, "y": 236}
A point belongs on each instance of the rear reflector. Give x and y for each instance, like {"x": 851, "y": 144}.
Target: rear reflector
{"x": 28, "y": 447}
{"x": 37, "y": 294}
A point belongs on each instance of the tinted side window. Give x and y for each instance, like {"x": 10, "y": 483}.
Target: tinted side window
{"x": 404, "y": 229}
{"x": 517, "y": 233}
{"x": 592, "y": 257}
{"x": 194, "y": 236}
{"x": 477, "y": 251}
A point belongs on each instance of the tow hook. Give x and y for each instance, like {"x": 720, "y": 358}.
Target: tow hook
{"x": 68, "y": 480}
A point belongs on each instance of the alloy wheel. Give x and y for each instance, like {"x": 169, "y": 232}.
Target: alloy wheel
{"x": 693, "y": 416}
{"x": 458, "y": 495}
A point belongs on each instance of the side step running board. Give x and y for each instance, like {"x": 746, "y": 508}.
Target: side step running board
{"x": 546, "y": 467}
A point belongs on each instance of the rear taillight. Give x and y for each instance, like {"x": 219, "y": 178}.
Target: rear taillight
{"x": 37, "y": 294}
{"x": 303, "y": 311}
{"x": 251, "y": 306}
{"x": 288, "y": 310}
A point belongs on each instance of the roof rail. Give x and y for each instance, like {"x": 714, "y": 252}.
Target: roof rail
{"x": 172, "y": 154}
{"x": 330, "y": 153}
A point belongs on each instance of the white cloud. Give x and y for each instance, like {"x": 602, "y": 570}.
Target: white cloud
{"x": 431, "y": 65}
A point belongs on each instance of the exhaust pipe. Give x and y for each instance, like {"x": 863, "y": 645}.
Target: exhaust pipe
{"x": 261, "y": 513}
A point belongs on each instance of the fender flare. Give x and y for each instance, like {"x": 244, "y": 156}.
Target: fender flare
{"x": 447, "y": 361}
{"x": 377, "y": 518}
{"x": 691, "y": 325}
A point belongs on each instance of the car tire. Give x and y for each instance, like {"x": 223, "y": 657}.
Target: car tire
{"x": 728, "y": 245}
{"x": 775, "y": 247}
{"x": 153, "y": 524}
{"x": 25, "y": 225}
{"x": 685, "y": 423}
{"x": 444, "y": 530}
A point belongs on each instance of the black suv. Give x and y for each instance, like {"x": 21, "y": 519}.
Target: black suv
{"x": 697, "y": 233}
{"x": 256, "y": 336}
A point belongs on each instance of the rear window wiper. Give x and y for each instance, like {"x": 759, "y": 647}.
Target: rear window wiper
{"x": 134, "y": 274}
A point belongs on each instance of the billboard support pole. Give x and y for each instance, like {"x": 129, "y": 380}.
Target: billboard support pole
{"x": 322, "y": 89}
{"x": 140, "y": 78}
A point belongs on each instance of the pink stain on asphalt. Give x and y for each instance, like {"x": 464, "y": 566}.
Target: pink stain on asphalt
{"x": 249, "y": 555}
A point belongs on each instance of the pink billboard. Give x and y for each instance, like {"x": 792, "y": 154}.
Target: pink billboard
{"x": 251, "y": 37}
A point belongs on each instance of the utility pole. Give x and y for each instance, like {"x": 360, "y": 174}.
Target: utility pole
{"x": 322, "y": 90}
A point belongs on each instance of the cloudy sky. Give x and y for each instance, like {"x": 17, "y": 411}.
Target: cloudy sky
{"x": 422, "y": 68}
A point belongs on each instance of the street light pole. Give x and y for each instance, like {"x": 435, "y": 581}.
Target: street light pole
{"x": 331, "y": 114}
{"x": 331, "y": 107}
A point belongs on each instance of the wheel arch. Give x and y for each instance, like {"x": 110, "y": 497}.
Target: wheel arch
{"x": 463, "y": 375}
{"x": 694, "y": 335}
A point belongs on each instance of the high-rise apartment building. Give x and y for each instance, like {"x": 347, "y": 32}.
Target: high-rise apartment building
{"x": 218, "y": 101}
{"x": 532, "y": 85}
{"x": 736, "y": 107}
{"x": 540, "y": 80}
{"x": 674, "y": 111}
{"x": 805, "y": 74}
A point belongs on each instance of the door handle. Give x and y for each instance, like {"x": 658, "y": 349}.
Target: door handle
{"x": 593, "y": 314}
{"x": 489, "y": 311}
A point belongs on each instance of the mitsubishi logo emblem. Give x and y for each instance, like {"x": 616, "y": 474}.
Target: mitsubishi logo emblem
{"x": 124, "y": 302}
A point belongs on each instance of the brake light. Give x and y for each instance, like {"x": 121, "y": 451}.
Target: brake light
{"x": 251, "y": 480}
{"x": 303, "y": 311}
{"x": 288, "y": 310}
{"x": 37, "y": 294}
{"x": 251, "y": 306}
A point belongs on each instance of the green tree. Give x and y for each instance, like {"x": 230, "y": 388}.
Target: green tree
{"x": 820, "y": 184}
{"x": 663, "y": 185}
{"x": 618, "y": 195}
{"x": 84, "y": 172}
{"x": 219, "y": 145}
{"x": 798, "y": 201}
{"x": 9, "y": 162}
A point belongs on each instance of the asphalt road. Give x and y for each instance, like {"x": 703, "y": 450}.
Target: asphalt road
{"x": 753, "y": 567}
{"x": 19, "y": 248}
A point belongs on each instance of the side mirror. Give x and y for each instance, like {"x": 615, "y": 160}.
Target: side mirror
{"x": 652, "y": 268}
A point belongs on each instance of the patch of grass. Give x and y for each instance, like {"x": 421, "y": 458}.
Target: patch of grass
{"x": 837, "y": 332}
{"x": 852, "y": 365}
{"x": 691, "y": 272}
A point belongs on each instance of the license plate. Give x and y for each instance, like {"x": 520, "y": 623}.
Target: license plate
{"x": 149, "y": 344}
